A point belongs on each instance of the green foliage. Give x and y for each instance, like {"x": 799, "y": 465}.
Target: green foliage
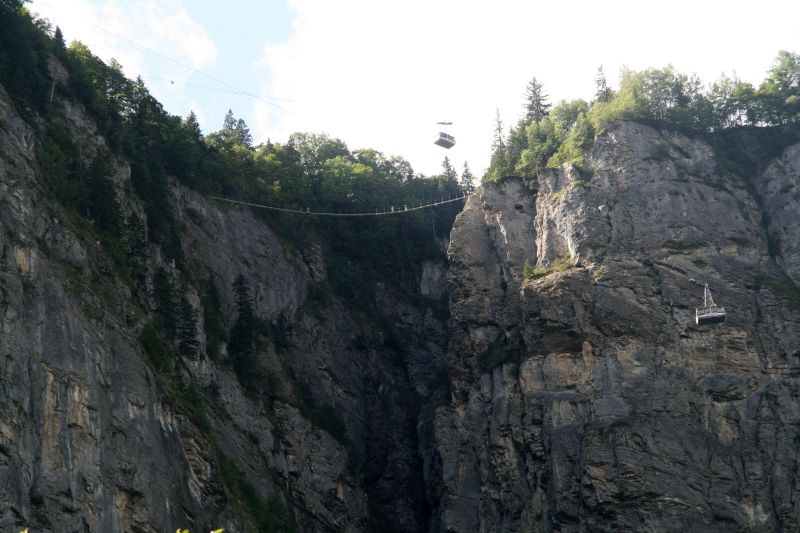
{"x": 166, "y": 302}
{"x": 196, "y": 402}
{"x": 499, "y": 353}
{"x": 603, "y": 92}
{"x": 213, "y": 325}
{"x": 540, "y": 271}
{"x": 244, "y": 339}
{"x": 322, "y": 414}
{"x": 188, "y": 344}
{"x": 318, "y": 296}
{"x": 24, "y": 45}
{"x": 270, "y": 516}
{"x": 536, "y": 105}
{"x": 548, "y": 138}
{"x": 158, "y": 351}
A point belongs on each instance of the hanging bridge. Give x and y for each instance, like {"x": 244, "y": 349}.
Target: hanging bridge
{"x": 392, "y": 210}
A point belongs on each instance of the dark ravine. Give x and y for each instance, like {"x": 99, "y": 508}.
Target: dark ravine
{"x": 583, "y": 400}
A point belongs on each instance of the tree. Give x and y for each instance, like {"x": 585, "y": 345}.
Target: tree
{"x": 165, "y": 301}
{"x": 193, "y": 126}
{"x": 448, "y": 171}
{"x": 536, "y": 106}
{"x": 58, "y": 41}
{"x": 467, "y": 182}
{"x": 187, "y": 329}
{"x": 228, "y": 124}
{"x": 241, "y": 134}
{"x": 602, "y": 92}
{"x": 135, "y": 243}
{"x": 497, "y": 138}
{"x": 244, "y": 337}
{"x": 780, "y": 92}
{"x": 212, "y": 319}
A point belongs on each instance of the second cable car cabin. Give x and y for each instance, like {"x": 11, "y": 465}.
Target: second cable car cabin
{"x": 444, "y": 139}
{"x": 710, "y": 313}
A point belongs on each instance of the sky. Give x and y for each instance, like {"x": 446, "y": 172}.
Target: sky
{"x": 380, "y": 74}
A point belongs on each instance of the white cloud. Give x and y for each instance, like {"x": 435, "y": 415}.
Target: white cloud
{"x": 151, "y": 39}
{"x": 381, "y": 73}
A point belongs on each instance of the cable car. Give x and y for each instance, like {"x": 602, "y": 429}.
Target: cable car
{"x": 444, "y": 139}
{"x": 710, "y": 313}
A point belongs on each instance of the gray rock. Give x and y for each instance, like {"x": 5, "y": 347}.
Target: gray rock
{"x": 621, "y": 414}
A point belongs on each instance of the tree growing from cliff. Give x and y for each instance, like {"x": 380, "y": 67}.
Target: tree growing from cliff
{"x": 467, "y": 181}
{"x": 188, "y": 345}
{"x": 536, "y": 105}
{"x": 213, "y": 326}
{"x": 165, "y": 302}
{"x": 244, "y": 338}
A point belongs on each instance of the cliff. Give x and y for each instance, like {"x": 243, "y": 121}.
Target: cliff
{"x": 585, "y": 398}
{"x": 564, "y": 387}
{"x": 103, "y": 427}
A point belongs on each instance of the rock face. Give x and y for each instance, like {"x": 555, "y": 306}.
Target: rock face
{"x": 587, "y": 399}
{"x": 94, "y": 438}
{"x": 568, "y": 390}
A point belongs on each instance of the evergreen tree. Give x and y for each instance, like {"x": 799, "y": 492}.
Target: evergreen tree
{"x": 244, "y": 337}
{"x": 497, "y": 162}
{"x": 467, "y": 183}
{"x": 497, "y": 139}
{"x": 517, "y": 142}
{"x": 241, "y": 134}
{"x": 448, "y": 171}
{"x": 58, "y": 41}
{"x": 228, "y": 124}
{"x": 212, "y": 319}
{"x": 165, "y": 300}
{"x": 193, "y": 126}
{"x": 187, "y": 329}
{"x": 536, "y": 105}
{"x": 135, "y": 243}
{"x": 602, "y": 92}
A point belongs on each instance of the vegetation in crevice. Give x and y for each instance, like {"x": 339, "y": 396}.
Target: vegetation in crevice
{"x": 532, "y": 272}
{"x": 499, "y": 353}
{"x": 268, "y": 516}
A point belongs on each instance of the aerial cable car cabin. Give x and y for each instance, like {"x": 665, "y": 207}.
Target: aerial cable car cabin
{"x": 710, "y": 313}
{"x": 444, "y": 139}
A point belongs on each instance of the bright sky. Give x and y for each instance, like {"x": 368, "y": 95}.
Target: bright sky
{"x": 380, "y": 73}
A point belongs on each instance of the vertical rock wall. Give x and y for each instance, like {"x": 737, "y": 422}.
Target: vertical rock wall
{"x": 587, "y": 399}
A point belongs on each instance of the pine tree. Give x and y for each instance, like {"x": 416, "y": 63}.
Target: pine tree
{"x": 188, "y": 344}
{"x": 212, "y": 319}
{"x": 497, "y": 139}
{"x": 448, "y": 171}
{"x": 243, "y": 338}
{"x": 241, "y": 134}
{"x": 166, "y": 305}
{"x": 467, "y": 183}
{"x": 193, "y": 125}
{"x": 228, "y": 124}
{"x": 602, "y": 91}
{"x": 536, "y": 105}
{"x": 58, "y": 40}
